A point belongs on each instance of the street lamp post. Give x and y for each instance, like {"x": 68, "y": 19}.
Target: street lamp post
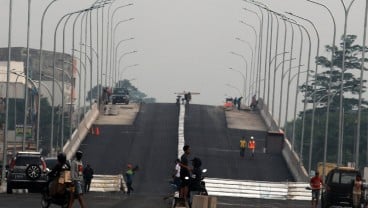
{"x": 329, "y": 85}
{"x": 111, "y": 32}
{"x": 121, "y": 57}
{"x": 5, "y": 147}
{"x": 361, "y": 87}
{"x": 290, "y": 66}
{"x": 246, "y": 71}
{"x": 259, "y": 60}
{"x": 244, "y": 79}
{"x": 252, "y": 62}
{"x": 122, "y": 72}
{"x": 39, "y": 73}
{"x": 314, "y": 95}
{"x": 114, "y": 52}
{"x": 274, "y": 83}
{"x": 27, "y": 74}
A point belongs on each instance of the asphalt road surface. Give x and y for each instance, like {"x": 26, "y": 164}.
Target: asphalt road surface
{"x": 218, "y": 147}
{"x": 118, "y": 200}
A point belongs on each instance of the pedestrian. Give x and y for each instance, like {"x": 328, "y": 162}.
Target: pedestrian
{"x": 129, "y": 177}
{"x": 235, "y": 101}
{"x": 253, "y": 104}
{"x": 252, "y": 146}
{"x": 315, "y": 183}
{"x": 239, "y": 102}
{"x": 243, "y": 145}
{"x": 176, "y": 174}
{"x": 87, "y": 175}
{"x": 76, "y": 172}
{"x": 357, "y": 191}
{"x": 184, "y": 173}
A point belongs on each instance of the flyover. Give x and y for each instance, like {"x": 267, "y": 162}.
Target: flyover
{"x": 147, "y": 135}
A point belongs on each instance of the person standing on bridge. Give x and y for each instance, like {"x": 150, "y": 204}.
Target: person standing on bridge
{"x": 76, "y": 172}
{"x": 184, "y": 172}
{"x": 252, "y": 146}
{"x": 129, "y": 177}
{"x": 88, "y": 175}
{"x": 315, "y": 183}
{"x": 243, "y": 145}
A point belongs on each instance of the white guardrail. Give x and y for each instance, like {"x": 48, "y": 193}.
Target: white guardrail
{"x": 258, "y": 189}
{"x": 108, "y": 183}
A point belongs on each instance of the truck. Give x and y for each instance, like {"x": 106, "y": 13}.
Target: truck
{"x": 120, "y": 95}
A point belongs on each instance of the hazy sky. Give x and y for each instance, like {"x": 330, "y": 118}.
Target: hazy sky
{"x": 183, "y": 44}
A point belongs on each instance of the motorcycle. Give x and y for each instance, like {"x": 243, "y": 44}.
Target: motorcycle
{"x": 197, "y": 190}
{"x": 57, "y": 199}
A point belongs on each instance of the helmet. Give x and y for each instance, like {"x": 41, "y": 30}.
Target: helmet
{"x": 61, "y": 157}
{"x": 196, "y": 162}
{"x": 251, "y": 138}
{"x": 79, "y": 155}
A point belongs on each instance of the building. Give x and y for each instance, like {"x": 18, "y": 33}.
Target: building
{"x": 63, "y": 62}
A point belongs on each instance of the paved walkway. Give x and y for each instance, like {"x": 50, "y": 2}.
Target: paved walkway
{"x": 246, "y": 120}
{"x": 118, "y": 114}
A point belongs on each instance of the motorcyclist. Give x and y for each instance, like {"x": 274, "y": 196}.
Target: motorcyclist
{"x": 195, "y": 180}
{"x": 55, "y": 173}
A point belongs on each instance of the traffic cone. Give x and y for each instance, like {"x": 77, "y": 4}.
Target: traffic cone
{"x": 97, "y": 131}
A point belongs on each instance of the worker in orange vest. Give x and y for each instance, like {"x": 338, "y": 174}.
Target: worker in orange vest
{"x": 252, "y": 146}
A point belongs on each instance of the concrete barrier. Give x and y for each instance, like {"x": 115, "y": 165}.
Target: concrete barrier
{"x": 266, "y": 115}
{"x": 258, "y": 189}
{"x": 80, "y": 133}
{"x": 292, "y": 160}
{"x": 107, "y": 183}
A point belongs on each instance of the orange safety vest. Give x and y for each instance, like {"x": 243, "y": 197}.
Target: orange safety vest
{"x": 252, "y": 144}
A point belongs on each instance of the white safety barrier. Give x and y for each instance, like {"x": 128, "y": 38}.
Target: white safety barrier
{"x": 181, "y": 140}
{"x": 80, "y": 133}
{"x": 107, "y": 183}
{"x": 257, "y": 189}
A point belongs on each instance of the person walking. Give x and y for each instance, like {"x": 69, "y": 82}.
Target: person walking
{"x": 243, "y": 145}
{"x": 315, "y": 183}
{"x": 357, "y": 191}
{"x": 76, "y": 172}
{"x": 87, "y": 175}
{"x": 239, "y": 102}
{"x": 252, "y": 146}
{"x": 184, "y": 172}
{"x": 129, "y": 177}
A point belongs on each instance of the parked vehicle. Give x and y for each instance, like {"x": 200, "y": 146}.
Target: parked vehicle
{"x": 338, "y": 187}
{"x": 27, "y": 170}
{"x": 51, "y": 162}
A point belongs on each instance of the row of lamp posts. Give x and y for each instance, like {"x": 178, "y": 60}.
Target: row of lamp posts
{"x": 266, "y": 52}
{"x": 111, "y": 67}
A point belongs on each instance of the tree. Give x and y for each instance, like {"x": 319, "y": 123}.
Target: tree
{"x": 94, "y": 93}
{"x": 350, "y": 82}
{"x": 135, "y": 95}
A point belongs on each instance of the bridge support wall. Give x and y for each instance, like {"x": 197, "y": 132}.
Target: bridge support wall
{"x": 80, "y": 133}
{"x": 292, "y": 160}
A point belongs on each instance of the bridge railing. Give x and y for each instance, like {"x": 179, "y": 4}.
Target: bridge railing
{"x": 80, "y": 133}
{"x": 266, "y": 115}
{"x": 258, "y": 189}
{"x": 292, "y": 159}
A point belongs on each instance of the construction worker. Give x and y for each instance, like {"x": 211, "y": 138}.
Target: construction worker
{"x": 243, "y": 145}
{"x": 252, "y": 146}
